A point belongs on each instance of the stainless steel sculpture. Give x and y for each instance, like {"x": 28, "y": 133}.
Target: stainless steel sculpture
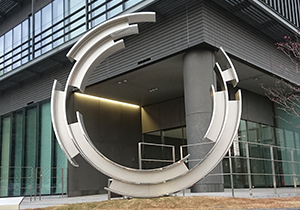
{"x": 88, "y": 52}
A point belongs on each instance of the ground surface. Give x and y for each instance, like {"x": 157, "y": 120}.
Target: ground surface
{"x": 184, "y": 203}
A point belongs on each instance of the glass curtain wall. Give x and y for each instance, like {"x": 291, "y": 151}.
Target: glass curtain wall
{"x": 54, "y": 24}
{"x": 5, "y": 154}
{"x": 174, "y": 137}
{"x": 17, "y": 152}
{"x": 261, "y": 143}
{"x": 28, "y": 147}
{"x": 260, "y": 140}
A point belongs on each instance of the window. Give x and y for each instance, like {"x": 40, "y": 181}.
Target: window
{"x": 17, "y": 35}
{"x": 54, "y": 24}
{"x": 7, "y": 50}
{"x": 76, "y": 22}
{"x": 26, "y": 41}
{"x": 97, "y": 10}
{"x": 17, "y": 153}
{"x": 58, "y": 15}
{"x": 1, "y": 54}
{"x": 28, "y": 145}
{"x": 114, "y": 8}
{"x": 45, "y": 145}
{"x": 5, "y": 158}
{"x": 46, "y": 28}
{"x": 37, "y": 30}
{"x": 131, "y": 3}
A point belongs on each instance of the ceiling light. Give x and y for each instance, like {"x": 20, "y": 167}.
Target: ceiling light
{"x": 108, "y": 100}
{"x": 153, "y": 90}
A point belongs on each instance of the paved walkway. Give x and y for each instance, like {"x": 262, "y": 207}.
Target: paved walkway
{"x": 256, "y": 193}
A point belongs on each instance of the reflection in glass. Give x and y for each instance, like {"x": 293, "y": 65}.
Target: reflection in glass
{"x": 25, "y": 41}
{"x": 37, "y": 30}
{"x": 30, "y": 147}
{"x": 175, "y": 137}
{"x": 1, "y": 54}
{"x": 114, "y": 7}
{"x": 130, "y": 3}
{"x": 98, "y": 11}
{"x": 114, "y": 12}
{"x": 45, "y": 146}
{"x": 75, "y": 20}
{"x": 46, "y": 24}
{"x": 7, "y": 49}
{"x": 58, "y": 15}
{"x": 242, "y": 132}
{"x": 17, "y": 35}
{"x": 253, "y": 132}
{"x": 60, "y": 173}
{"x": 267, "y": 134}
{"x": 5, "y": 158}
{"x": 17, "y": 154}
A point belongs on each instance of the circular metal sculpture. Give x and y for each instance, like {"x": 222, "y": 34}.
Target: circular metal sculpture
{"x": 88, "y": 52}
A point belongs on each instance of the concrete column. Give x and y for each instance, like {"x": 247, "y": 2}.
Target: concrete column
{"x": 198, "y": 76}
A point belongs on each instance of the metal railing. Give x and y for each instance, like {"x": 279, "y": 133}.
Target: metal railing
{"x": 153, "y": 159}
{"x": 274, "y": 159}
{"x": 41, "y": 41}
{"x": 32, "y": 182}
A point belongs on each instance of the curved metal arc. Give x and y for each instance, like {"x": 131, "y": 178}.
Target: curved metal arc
{"x": 107, "y": 28}
{"x": 82, "y": 48}
{"x": 84, "y": 67}
{"x": 224, "y": 140}
{"x": 219, "y": 114}
{"x": 195, "y": 174}
{"x": 59, "y": 122}
{"x": 220, "y": 104}
{"x": 161, "y": 181}
{"x": 234, "y": 78}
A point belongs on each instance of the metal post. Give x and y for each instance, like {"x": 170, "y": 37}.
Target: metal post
{"x": 35, "y": 185}
{"x": 41, "y": 182}
{"x": 231, "y": 175}
{"x": 181, "y": 152}
{"x": 62, "y": 182}
{"x": 273, "y": 170}
{"x": 248, "y": 168}
{"x": 140, "y": 155}
{"x": 294, "y": 174}
{"x": 32, "y": 27}
{"x": 86, "y": 15}
{"x": 108, "y": 192}
{"x": 173, "y": 154}
{"x": 31, "y": 184}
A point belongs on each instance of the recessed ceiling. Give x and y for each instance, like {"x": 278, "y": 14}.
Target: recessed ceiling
{"x": 163, "y": 81}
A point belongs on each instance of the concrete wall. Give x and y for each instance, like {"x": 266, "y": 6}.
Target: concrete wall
{"x": 115, "y": 130}
{"x": 165, "y": 115}
{"x": 257, "y": 108}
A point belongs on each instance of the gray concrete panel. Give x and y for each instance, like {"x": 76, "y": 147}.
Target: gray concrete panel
{"x": 257, "y": 108}
{"x": 170, "y": 114}
{"x": 150, "y": 118}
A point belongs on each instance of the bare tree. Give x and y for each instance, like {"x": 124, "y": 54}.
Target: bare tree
{"x": 290, "y": 47}
{"x": 285, "y": 94}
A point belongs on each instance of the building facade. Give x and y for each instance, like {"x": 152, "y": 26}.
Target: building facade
{"x": 166, "y": 70}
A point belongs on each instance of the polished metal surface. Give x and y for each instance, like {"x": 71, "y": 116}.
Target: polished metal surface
{"x": 73, "y": 138}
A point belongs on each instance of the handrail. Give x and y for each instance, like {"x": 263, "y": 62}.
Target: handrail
{"x": 33, "y": 180}
{"x": 11, "y": 59}
{"x": 155, "y": 160}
